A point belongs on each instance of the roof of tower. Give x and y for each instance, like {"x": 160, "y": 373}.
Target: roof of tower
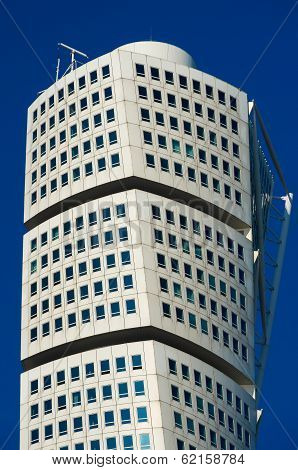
{"x": 161, "y": 50}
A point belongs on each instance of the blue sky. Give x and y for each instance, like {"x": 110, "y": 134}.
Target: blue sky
{"x": 249, "y": 42}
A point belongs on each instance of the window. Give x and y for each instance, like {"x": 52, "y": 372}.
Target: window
{"x": 85, "y": 315}
{"x": 212, "y": 138}
{"x": 120, "y": 210}
{"x": 196, "y": 86}
{"x": 185, "y": 372}
{"x": 192, "y": 319}
{"x": 142, "y": 92}
{"x": 179, "y": 315}
{"x": 105, "y": 71}
{"x": 71, "y": 88}
{"x": 33, "y": 335}
{"x": 107, "y": 392}
{"x": 112, "y": 137}
{"x": 33, "y": 198}
{"x": 200, "y": 133}
{"x": 234, "y": 125}
{"x": 62, "y": 428}
{"x": 136, "y": 362}
{"x": 211, "y": 114}
{"x": 33, "y": 288}
{"x": 190, "y": 426}
{"x": 109, "y": 418}
{"x": 130, "y": 306}
{"x": 75, "y": 374}
{"x": 125, "y": 416}
{"x": 77, "y": 424}
{"x": 204, "y": 179}
{"x": 127, "y": 442}
{"x": 238, "y": 198}
{"x": 162, "y": 141}
{"x": 159, "y": 119}
{"x": 120, "y": 364}
{"x": 142, "y": 414}
{"x": 123, "y": 390}
{"x": 150, "y": 160}
{"x": 185, "y": 246}
{"x": 105, "y": 367}
{"x": 187, "y": 128}
{"x": 140, "y": 70}
{"x": 147, "y": 137}
{"x": 223, "y": 120}
{"x": 115, "y": 309}
{"x": 213, "y": 438}
{"x": 95, "y": 98}
{"x": 111, "y": 443}
{"x": 125, "y": 258}
{"x": 34, "y": 436}
{"x": 169, "y": 77}
{"x": 34, "y": 387}
{"x": 113, "y": 284}
{"x": 178, "y": 420}
{"x": 123, "y": 235}
{"x": 76, "y": 399}
{"x": 209, "y": 91}
{"x": 100, "y": 312}
{"x": 115, "y": 160}
{"x": 58, "y": 324}
{"x": 185, "y": 105}
{"x": 243, "y": 327}
{"x": 209, "y": 386}
{"x": 33, "y": 311}
{"x": 236, "y": 150}
{"x": 157, "y": 96}
{"x": 145, "y": 115}
{"x": 83, "y": 104}
{"x": 61, "y": 402}
{"x": 224, "y": 144}
{"x": 45, "y": 329}
{"x": 139, "y": 388}
{"x": 93, "y": 421}
{"x": 108, "y": 93}
{"x": 198, "y": 110}
{"x": 34, "y": 411}
{"x": 164, "y": 164}
{"x": 93, "y": 77}
{"x": 166, "y": 309}
{"x": 175, "y": 393}
{"x": 233, "y": 103}
{"x": 172, "y": 367}
{"x": 163, "y": 284}
{"x": 144, "y": 441}
{"x": 154, "y": 73}
{"x": 182, "y": 81}
{"x": 221, "y": 97}
{"x": 82, "y": 82}
{"x": 187, "y": 398}
{"x": 48, "y": 431}
{"x": 171, "y": 100}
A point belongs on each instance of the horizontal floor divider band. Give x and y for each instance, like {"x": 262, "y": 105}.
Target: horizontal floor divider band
{"x": 132, "y": 335}
{"x": 142, "y": 184}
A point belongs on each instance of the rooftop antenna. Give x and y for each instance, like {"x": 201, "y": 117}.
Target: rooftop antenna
{"x": 73, "y": 62}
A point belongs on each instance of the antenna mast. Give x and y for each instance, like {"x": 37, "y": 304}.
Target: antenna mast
{"x": 73, "y": 62}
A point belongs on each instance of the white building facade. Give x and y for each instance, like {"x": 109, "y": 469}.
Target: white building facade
{"x": 138, "y": 300}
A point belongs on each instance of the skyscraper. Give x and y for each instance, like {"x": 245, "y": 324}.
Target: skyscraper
{"x": 147, "y": 198}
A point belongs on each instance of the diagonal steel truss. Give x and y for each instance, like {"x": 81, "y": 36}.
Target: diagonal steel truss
{"x": 271, "y": 217}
